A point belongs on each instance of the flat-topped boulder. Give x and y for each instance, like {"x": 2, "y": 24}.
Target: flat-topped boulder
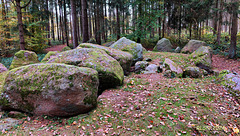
{"x": 192, "y": 46}
{"x": 163, "y": 45}
{"x": 132, "y": 47}
{"x": 50, "y": 89}
{"x": 172, "y": 67}
{"x": 24, "y": 57}
{"x": 49, "y": 55}
{"x": 109, "y": 70}
{"x": 124, "y": 58}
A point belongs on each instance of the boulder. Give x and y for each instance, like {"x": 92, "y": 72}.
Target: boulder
{"x": 132, "y": 47}
{"x": 163, "y": 45}
{"x": 192, "y": 46}
{"x": 108, "y": 44}
{"x": 8, "y": 123}
{"x": 2, "y": 68}
{"x": 50, "y": 89}
{"x": 109, "y": 70}
{"x": 152, "y": 68}
{"x": 173, "y": 67}
{"x": 194, "y": 72}
{"x": 49, "y": 55}
{"x": 177, "y": 50}
{"x": 140, "y": 66}
{"x": 24, "y": 57}
{"x": 124, "y": 58}
{"x": 232, "y": 81}
{"x": 202, "y": 58}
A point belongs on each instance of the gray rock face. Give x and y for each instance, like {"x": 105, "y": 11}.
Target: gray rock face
{"x": 22, "y": 58}
{"x": 163, "y": 45}
{"x": 202, "y": 58}
{"x": 193, "y": 72}
{"x": 233, "y": 83}
{"x": 132, "y": 47}
{"x": 2, "y": 68}
{"x": 109, "y": 70}
{"x": 177, "y": 50}
{"x": 50, "y": 89}
{"x": 192, "y": 46}
{"x": 124, "y": 58}
{"x": 49, "y": 55}
{"x": 170, "y": 65}
{"x": 153, "y": 68}
{"x": 140, "y": 66}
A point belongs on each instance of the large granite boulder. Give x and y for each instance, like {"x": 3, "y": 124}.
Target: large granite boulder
{"x": 124, "y": 58}
{"x": 49, "y": 55}
{"x": 192, "y": 46}
{"x": 232, "y": 82}
{"x": 24, "y": 57}
{"x": 202, "y": 58}
{"x": 2, "y": 68}
{"x": 140, "y": 66}
{"x": 132, "y": 47}
{"x": 175, "y": 69}
{"x": 109, "y": 70}
{"x": 50, "y": 89}
{"x": 163, "y": 45}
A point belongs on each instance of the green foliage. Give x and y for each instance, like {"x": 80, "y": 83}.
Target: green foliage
{"x": 37, "y": 43}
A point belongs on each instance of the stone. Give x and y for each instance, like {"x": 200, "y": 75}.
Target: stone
{"x": 50, "y": 89}
{"x": 140, "y": 66}
{"x": 170, "y": 65}
{"x": 153, "y": 68}
{"x": 193, "y": 72}
{"x": 109, "y": 70}
{"x": 177, "y": 50}
{"x": 202, "y": 58}
{"x": 49, "y": 55}
{"x": 232, "y": 82}
{"x": 124, "y": 58}
{"x": 24, "y": 57}
{"x": 163, "y": 45}
{"x": 2, "y": 68}
{"x": 108, "y": 44}
{"x": 66, "y": 48}
{"x": 169, "y": 74}
{"x": 8, "y": 123}
{"x": 132, "y": 47}
{"x": 192, "y": 46}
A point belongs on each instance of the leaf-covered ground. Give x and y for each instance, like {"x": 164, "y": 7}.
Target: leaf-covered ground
{"x": 149, "y": 104}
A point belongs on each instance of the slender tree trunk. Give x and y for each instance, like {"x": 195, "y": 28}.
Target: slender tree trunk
{"x": 48, "y": 24}
{"x": 220, "y": 23}
{"x": 52, "y": 22}
{"x": 65, "y": 22}
{"x": 85, "y": 21}
{"x": 118, "y": 22}
{"x": 233, "y": 46}
{"x": 98, "y": 33}
{"x": 215, "y": 24}
{"x": 20, "y": 25}
{"x": 74, "y": 23}
{"x": 56, "y": 10}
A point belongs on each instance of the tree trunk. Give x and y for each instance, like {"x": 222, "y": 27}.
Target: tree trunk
{"x": 233, "y": 46}
{"x": 215, "y": 24}
{"x": 74, "y": 23}
{"x": 65, "y": 22}
{"x": 85, "y": 21}
{"x": 58, "y": 33}
{"x": 220, "y": 23}
{"x": 20, "y": 25}
{"x": 118, "y": 22}
{"x": 52, "y": 22}
{"x": 48, "y": 24}
{"x": 97, "y": 32}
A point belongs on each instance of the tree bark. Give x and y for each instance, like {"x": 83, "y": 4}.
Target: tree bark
{"x": 234, "y": 29}
{"x": 74, "y": 23}
{"x": 65, "y": 22}
{"x": 220, "y": 23}
{"x": 20, "y": 25}
{"x": 118, "y": 22}
{"x": 85, "y": 21}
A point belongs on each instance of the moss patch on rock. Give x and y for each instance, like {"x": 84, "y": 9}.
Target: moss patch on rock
{"x": 49, "y": 55}
{"x": 24, "y": 57}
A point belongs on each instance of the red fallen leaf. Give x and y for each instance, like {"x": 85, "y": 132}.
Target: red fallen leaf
{"x": 149, "y": 94}
{"x": 151, "y": 121}
{"x": 175, "y": 121}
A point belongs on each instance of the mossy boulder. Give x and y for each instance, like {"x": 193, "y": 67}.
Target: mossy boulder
{"x": 24, "y": 57}
{"x": 202, "y": 58}
{"x": 109, "y": 70}
{"x": 192, "y": 46}
{"x": 140, "y": 66}
{"x": 50, "y": 89}
{"x": 232, "y": 82}
{"x": 194, "y": 72}
{"x": 132, "y": 47}
{"x": 163, "y": 45}
{"x": 173, "y": 67}
{"x": 2, "y": 68}
{"x": 49, "y": 55}
{"x": 124, "y": 58}
{"x": 66, "y": 48}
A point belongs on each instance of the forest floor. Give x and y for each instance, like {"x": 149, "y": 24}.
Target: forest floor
{"x": 151, "y": 104}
